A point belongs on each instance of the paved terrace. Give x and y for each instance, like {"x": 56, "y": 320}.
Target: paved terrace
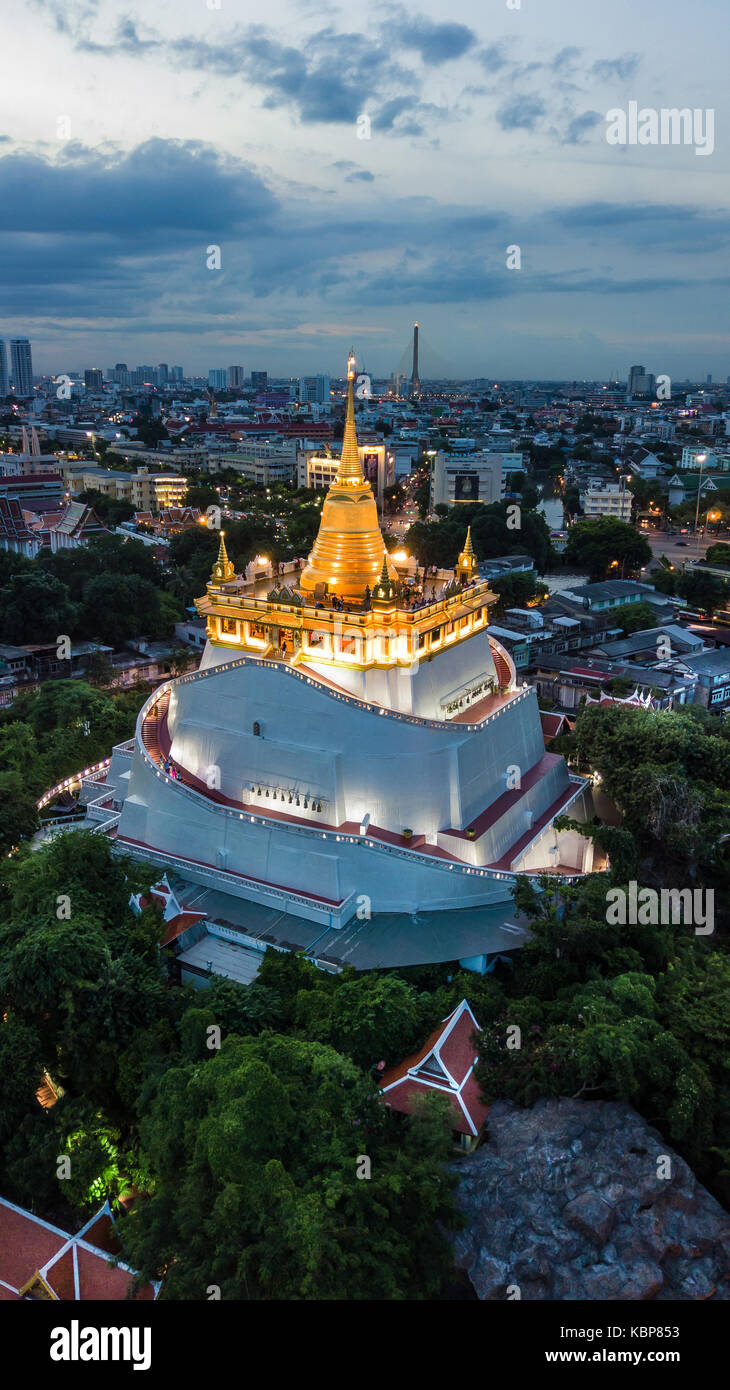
{"x": 386, "y": 940}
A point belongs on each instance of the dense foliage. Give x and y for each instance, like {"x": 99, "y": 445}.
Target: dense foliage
{"x": 498, "y": 528}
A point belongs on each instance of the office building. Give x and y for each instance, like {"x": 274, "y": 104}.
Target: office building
{"x": 93, "y": 379}
{"x": 259, "y": 381}
{"x": 314, "y": 390}
{"x": 22, "y": 367}
{"x": 235, "y": 378}
{"x": 471, "y": 477}
{"x": 218, "y": 379}
{"x": 641, "y": 382}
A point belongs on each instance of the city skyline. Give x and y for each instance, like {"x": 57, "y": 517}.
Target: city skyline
{"x": 196, "y": 130}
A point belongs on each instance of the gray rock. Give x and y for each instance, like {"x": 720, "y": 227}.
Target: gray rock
{"x": 564, "y": 1200}
{"x": 591, "y": 1215}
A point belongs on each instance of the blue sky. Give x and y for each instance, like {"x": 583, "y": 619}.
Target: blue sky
{"x": 133, "y": 138}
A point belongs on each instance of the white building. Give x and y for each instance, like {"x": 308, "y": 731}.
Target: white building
{"x": 607, "y": 499}
{"x": 712, "y": 460}
{"x": 475, "y": 477}
{"x": 314, "y": 390}
{"x": 264, "y": 461}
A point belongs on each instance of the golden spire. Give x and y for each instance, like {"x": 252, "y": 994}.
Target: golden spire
{"x": 349, "y": 469}
{"x": 223, "y": 569}
{"x": 349, "y": 553}
{"x": 467, "y": 561}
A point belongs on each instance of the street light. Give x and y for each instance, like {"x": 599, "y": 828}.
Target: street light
{"x": 700, "y": 459}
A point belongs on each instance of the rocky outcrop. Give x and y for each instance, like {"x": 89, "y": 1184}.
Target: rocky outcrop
{"x": 584, "y": 1200}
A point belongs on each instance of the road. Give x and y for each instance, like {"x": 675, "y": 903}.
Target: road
{"x": 677, "y": 553}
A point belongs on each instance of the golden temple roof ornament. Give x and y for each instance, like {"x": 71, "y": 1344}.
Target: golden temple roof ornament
{"x": 384, "y": 591}
{"x": 349, "y": 469}
{"x": 348, "y": 555}
{"x": 467, "y": 561}
{"x": 223, "y": 570}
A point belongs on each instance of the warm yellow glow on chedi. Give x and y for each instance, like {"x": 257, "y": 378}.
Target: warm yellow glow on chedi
{"x": 347, "y": 556}
{"x": 223, "y": 569}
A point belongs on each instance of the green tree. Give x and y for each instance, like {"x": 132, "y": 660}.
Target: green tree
{"x": 265, "y": 1137}
{"x": 604, "y": 546}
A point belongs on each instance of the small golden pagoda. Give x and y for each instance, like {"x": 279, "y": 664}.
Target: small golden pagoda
{"x": 349, "y": 553}
{"x": 467, "y": 561}
{"x": 223, "y": 571}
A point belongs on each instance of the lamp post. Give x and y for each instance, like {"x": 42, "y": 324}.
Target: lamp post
{"x": 700, "y": 459}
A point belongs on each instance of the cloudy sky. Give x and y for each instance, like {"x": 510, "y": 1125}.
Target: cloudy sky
{"x": 131, "y": 139}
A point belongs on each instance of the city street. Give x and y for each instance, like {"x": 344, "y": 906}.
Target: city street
{"x": 678, "y": 549}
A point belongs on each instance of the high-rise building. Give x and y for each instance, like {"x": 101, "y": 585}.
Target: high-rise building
{"x": 415, "y": 387}
{"x": 163, "y": 373}
{"x": 22, "y": 366}
{"x": 4, "y": 388}
{"x": 314, "y": 390}
{"x": 259, "y": 381}
{"x": 708, "y": 379}
{"x": 93, "y": 379}
{"x": 641, "y": 382}
{"x": 235, "y": 378}
{"x": 218, "y": 378}
{"x": 177, "y": 374}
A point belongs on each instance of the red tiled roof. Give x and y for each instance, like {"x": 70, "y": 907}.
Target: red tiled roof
{"x": 551, "y": 724}
{"x": 26, "y": 1244}
{"x": 30, "y": 1246}
{"x": 178, "y": 924}
{"x": 444, "y": 1064}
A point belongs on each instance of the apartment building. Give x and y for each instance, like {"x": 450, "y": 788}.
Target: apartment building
{"x": 607, "y": 499}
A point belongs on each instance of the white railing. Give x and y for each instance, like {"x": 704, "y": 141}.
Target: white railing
{"x": 409, "y": 855}
{"x": 88, "y": 773}
{"x": 351, "y": 700}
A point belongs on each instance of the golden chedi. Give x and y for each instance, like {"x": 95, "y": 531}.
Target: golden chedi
{"x": 348, "y": 554}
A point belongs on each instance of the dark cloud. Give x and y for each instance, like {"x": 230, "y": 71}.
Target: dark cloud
{"x": 118, "y": 239}
{"x": 579, "y": 126}
{"x": 566, "y": 60}
{"x": 436, "y": 43}
{"x": 162, "y": 184}
{"x": 609, "y": 68}
{"x": 522, "y": 112}
{"x": 494, "y": 58}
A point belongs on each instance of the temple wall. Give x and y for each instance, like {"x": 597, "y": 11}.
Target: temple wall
{"x": 356, "y": 761}
{"x": 162, "y": 814}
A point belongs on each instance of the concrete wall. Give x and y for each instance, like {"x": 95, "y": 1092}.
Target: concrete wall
{"x": 164, "y": 814}
{"x": 358, "y": 761}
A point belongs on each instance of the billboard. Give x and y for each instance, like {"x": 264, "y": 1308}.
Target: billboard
{"x": 466, "y": 487}
{"x": 370, "y": 469}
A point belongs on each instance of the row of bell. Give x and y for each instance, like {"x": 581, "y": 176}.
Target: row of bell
{"x": 293, "y": 799}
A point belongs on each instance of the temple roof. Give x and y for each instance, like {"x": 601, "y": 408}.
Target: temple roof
{"x": 349, "y": 469}
{"x": 349, "y": 553}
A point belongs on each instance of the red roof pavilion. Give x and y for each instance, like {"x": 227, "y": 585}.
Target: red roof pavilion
{"x": 444, "y": 1064}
